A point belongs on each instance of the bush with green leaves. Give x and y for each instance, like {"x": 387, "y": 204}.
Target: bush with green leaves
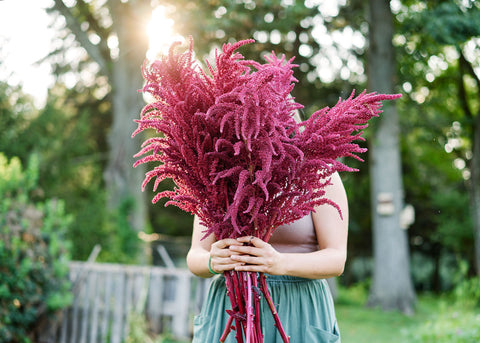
{"x": 33, "y": 254}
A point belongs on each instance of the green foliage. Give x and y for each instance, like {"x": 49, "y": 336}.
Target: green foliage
{"x": 458, "y": 326}
{"x": 71, "y": 163}
{"x": 15, "y": 111}
{"x": 437, "y": 126}
{"x": 68, "y": 138}
{"x": 453, "y": 221}
{"x": 467, "y": 293}
{"x": 447, "y": 23}
{"x": 121, "y": 243}
{"x": 139, "y": 332}
{"x": 62, "y": 138}
{"x": 361, "y": 324}
{"x": 452, "y": 317}
{"x": 33, "y": 253}
{"x": 458, "y": 319}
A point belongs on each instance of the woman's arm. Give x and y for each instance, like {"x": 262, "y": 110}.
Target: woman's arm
{"x": 331, "y": 232}
{"x": 208, "y": 250}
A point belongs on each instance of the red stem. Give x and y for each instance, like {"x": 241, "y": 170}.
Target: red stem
{"x": 259, "y": 335}
{"x": 227, "y": 330}
{"x": 268, "y": 298}
{"x": 238, "y": 293}
{"x": 229, "y": 276}
{"x": 268, "y": 234}
{"x": 248, "y": 333}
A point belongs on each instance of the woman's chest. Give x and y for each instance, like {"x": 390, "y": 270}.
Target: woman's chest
{"x": 298, "y": 236}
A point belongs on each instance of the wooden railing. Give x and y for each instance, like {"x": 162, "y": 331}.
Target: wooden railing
{"x": 106, "y": 295}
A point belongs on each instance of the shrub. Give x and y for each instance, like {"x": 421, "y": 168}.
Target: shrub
{"x": 33, "y": 254}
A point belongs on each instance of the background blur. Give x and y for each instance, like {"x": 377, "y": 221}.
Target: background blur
{"x": 69, "y": 75}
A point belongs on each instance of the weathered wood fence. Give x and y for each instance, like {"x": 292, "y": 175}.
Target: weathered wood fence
{"x": 106, "y": 295}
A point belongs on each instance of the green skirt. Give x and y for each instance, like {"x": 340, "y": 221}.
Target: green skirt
{"x": 305, "y": 308}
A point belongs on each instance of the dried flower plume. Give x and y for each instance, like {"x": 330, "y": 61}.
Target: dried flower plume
{"x": 229, "y": 140}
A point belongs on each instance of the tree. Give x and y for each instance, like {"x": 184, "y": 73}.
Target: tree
{"x": 123, "y": 23}
{"x": 392, "y": 286}
{"x": 438, "y": 32}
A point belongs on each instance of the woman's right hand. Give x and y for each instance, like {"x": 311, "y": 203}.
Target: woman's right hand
{"x": 221, "y": 256}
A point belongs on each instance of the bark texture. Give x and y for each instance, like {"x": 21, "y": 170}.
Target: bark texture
{"x": 392, "y": 287}
{"x": 125, "y": 78}
{"x": 122, "y": 180}
{"x": 475, "y": 189}
{"x": 466, "y": 68}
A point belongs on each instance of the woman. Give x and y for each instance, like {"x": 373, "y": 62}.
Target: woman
{"x": 298, "y": 258}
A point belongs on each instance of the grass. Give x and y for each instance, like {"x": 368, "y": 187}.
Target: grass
{"x": 359, "y": 324}
{"x": 437, "y": 319}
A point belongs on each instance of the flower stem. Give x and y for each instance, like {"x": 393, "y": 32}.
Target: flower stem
{"x": 250, "y": 314}
{"x": 230, "y": 278}
{"x": 268, "y": 298}
{"x": 259, "y": 335}
{"x": 227, "y": 330}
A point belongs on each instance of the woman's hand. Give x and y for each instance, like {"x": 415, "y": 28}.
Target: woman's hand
{"x": 221, "y": 256}
{"x": 256, "y": 256}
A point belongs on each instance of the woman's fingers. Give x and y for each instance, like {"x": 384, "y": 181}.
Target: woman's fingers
{"x": 246, "y": 253}
{"x": 256, "y": 255}
{"x": 220, "y": 253}
{"x": 223, "y": 264}
{"x": 247, "y": 259}
{"x": 252, "y": 240}
{"x": 220, "y": 248}
{"x": 255, "y": 247}
{"x": 221, "y": 256}
{"x": 224, "y": 243}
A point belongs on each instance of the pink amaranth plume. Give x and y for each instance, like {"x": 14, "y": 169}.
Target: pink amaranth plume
{"x": 238, "y": 158}
{"x": 231, "y": 145}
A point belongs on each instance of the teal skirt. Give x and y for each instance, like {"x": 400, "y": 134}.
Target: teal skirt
{"x": 305, "y": 308}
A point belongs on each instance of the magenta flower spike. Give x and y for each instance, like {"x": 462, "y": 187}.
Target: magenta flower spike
{"x": 240, "y": 162}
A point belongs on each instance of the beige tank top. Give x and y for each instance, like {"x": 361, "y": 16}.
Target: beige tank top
{"x": 298, "y": 236}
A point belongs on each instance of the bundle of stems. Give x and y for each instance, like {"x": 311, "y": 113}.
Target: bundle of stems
{"x": 244, "y": 290}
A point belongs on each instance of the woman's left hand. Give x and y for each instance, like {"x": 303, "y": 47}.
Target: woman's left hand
{"x": 257, "y": 255}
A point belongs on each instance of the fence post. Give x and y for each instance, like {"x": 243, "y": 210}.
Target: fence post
{"x": 180, "y": 324}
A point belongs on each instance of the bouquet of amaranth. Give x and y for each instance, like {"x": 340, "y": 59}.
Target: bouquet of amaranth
{"x": 240, "y": 162}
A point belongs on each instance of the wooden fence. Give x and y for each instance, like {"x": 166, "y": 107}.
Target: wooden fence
{"x": 106, "y": 295}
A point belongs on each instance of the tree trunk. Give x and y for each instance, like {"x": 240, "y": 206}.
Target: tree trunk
{"x": 392, "y": 287}
{"x": 474, "y": 165}
{"x": 436, "y": 254}
{"x": 475, "y": 189}
{"x": 123, "y": 182}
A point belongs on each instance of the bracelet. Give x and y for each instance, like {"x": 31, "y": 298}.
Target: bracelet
{"x": 210, "y": 267}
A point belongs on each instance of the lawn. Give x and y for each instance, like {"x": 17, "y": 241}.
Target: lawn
{"x": 437, "y": 319}
{"x": 359, "y": 324}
